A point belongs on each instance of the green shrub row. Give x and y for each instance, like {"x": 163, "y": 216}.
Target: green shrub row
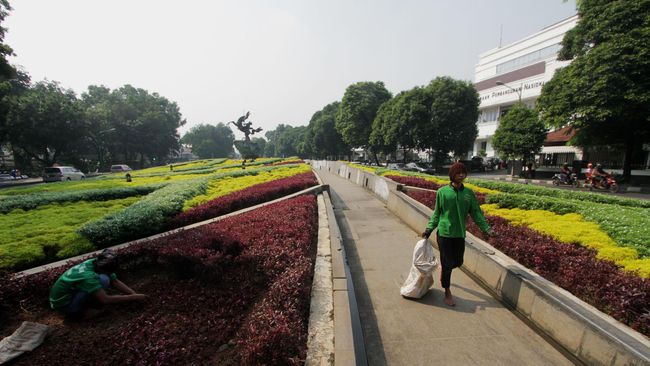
{"x": 572, "y": 195}
{"x": 210, "y": 163}
{"x": 48, "y": 233}
{"x": 147, "y": 217}
{"x": 33, "y": 200}
{"x": 150, "y": 215}
{"x": 628, "y": 226}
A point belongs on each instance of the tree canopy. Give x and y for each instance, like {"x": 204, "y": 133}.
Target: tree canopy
{"x": 520, "y": 134}
{"x": 46, "y": 123}
{"x": 604, "y": 93}
{"x": 210, "y": 141}
{"x": 285, "y": 141}
{"x": 358, "y": 109}
{"x": 142, "y": 126}
{"x": 321, "y": 138}
{"x": 453, "y": 111}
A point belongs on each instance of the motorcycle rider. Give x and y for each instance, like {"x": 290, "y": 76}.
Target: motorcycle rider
{"x": 599, "y": 176}
{"x": 565, "y": 173}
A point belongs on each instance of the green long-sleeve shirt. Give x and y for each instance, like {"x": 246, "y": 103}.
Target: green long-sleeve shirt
{"x": 452, "y": 208}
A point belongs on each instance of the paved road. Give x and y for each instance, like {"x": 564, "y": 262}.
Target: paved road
{"x": 478, "y": 331}
{"x": 497, "y": 175}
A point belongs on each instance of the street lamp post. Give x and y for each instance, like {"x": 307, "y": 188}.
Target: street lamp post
{"x": 518, "y": 91}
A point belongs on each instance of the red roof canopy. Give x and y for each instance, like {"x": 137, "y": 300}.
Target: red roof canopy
{"x": 562, "y": 135}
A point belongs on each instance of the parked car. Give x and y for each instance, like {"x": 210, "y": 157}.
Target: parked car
{"x": 120, "y": 168}
{"x": 420, "y": 167}
{"x": 62, "y": 173}
{"x": 396, "y": 166}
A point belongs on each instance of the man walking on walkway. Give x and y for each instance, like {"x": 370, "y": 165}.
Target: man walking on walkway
{"x": 453, "y": 204}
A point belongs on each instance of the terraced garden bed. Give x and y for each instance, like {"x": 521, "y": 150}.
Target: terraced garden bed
{"x": 554, "y": 248}
{"x": 108, "y": 210}
{"x": 233, "y": 292}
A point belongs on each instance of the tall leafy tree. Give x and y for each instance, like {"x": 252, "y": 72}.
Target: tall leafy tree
{"x": 144, "y": 126}
{"x": 322, "y": 140}
{"x": 520, "y": 134}
{"x": 46, "y": 123}
{"x": 259, "y": 145}
{"x": 604, "y": 94}
{"x": 453, "y": 112}
{"x": 7, "y": 71}
{"x": 399, "y": 121}
{"x": 12, "y": 81}
{"x": 210, "y": 141}
{"x": 358, "y": 109}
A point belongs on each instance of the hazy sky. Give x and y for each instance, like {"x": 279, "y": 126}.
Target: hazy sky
{"x": 282, "y": 60}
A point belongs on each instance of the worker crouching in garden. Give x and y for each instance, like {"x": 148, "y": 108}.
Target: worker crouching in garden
{"x": 80, "y": 291}
{"x": 454, "y": 203}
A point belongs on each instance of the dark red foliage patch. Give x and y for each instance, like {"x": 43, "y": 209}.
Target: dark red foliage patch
{"x": 244, "y": 198}
{"x": 414, "y": 182}
{"x": 233, "y": 292}
{"x": 622, "y": 295}
{"x": 601, "y": 283}
{"x": 428, "y": 198}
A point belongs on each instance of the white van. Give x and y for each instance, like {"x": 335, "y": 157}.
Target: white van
{"x": 61, "y": 173}
{"x": 120, "y": 168}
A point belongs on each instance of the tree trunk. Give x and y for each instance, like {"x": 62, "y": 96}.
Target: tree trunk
{"x": 627, "y": 160}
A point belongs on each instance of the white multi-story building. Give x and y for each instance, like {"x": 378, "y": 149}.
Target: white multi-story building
{"x": 515, "y": 72}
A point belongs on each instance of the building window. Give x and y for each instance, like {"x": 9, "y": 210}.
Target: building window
{"x": 487, "y": 115}
{"x": 528, "y": 58}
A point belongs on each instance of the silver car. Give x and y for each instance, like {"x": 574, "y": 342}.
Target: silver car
{"x": 62, "y": 173}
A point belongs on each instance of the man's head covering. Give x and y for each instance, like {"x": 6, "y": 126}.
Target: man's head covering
{"x": 457, "y": 168}
{"x": 107, "y": 261}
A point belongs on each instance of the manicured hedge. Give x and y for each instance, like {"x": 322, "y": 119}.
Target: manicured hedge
{"x": 244, "y": 198}
{"x": 147, "y": 217}
{"x": 234, "y": 292}
{"x": 33, "y": 200}
{"x": 413, "y": 181}
{"x": 628, "y": 226}
{"x": 238, "y": 180}
{"x": 559, "y": 193}
{"x": 600, "y": 283}
{"x": 48, "y": 233}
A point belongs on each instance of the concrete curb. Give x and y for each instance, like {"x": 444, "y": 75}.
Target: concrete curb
{"x": 349, "y": 346}
{"x": 588, "y": 335}
{"x": 320, "y": 340}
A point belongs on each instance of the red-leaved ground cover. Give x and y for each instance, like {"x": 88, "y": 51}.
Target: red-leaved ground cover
{"x": 233, "y": 292}
{"x": 244, "y": 198}
{"x": 414, "y": 182}
{"x": 429, "y": 197}
{"x": 601, "y": 283}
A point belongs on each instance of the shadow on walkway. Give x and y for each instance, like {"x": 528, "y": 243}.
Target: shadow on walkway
{"x": 371, "y": 335}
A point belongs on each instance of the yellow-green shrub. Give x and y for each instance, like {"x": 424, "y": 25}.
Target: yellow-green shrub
{"x": 223, "y": 186}
{"x": 49, "y": 232}
{"x": 573, "y": 228}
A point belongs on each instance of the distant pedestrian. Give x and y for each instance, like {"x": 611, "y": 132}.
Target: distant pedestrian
{"x": 454, "y": 203}
{"x": 171, "y": 167}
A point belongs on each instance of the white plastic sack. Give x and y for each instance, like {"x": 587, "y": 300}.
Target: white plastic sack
{"x": 420, "y": 278}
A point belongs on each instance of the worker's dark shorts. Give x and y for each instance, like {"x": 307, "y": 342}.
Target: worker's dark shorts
{"x": 80, "y": 298}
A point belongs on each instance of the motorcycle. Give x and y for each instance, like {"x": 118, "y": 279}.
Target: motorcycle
{"x": 607, "y": 184}
{"x": 572, "y": 180}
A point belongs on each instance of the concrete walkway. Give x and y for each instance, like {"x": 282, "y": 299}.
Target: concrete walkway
{"x": 479, "y": 330}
